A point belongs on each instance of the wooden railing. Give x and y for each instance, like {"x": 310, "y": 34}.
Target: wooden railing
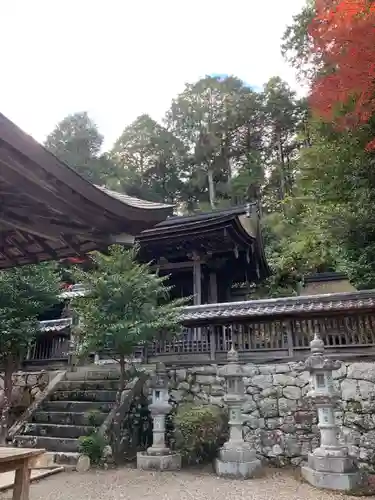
{"x": 282, "y": 333}
{"x": 52, "y": 343}
{"x": 261, "y": 330}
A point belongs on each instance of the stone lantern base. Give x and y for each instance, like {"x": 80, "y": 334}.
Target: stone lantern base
{"x": 332, "y": 473}
{"x": 239, "y": 463}
{"x": 167, "y": 461}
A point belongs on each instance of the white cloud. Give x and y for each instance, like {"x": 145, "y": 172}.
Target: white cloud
{"x": 119, "y": 58}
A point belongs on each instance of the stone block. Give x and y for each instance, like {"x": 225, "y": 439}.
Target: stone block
{"x": 205, "y": 379}
{"x": 287, "y": 406}
{"x": 262, "y": 381}
{"x": 268, "y": 408}
{"x": 282, "y": 368}
{"x": 350, "y": 390}
{"x": 250, "y": 370}
{"x": 265, "y": 369}
{"x": 83, "y": 464}
{"x": 292, "y": 392}
{"x": 158, "y": 462}
{"x": 331, "y": 464}
{"x": 345, "y": 481}
{"x": 237, "y": 470}
{"x": 217, "y": 390}
{"x": 243, "y": 454}
{"x": 249, "y": 405}
{"x": 362, "y": 371}
{"x": 284, "y": 380}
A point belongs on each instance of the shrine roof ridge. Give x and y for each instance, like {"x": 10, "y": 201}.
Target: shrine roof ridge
{"x": 361, "y": 300}
{"x": 182, "y": 222}
{"x": 236, "y": 210}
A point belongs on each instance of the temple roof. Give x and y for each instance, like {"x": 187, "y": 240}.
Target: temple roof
{"x": 48, "y": 211}
{"x": 234, "y": 232}
{"x": 285, "y": 306}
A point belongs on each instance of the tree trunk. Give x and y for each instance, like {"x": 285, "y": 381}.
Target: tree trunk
{"x": 282, "y": 168}
{"x": 122, "y": 374}
{"x": 9, "y": 368}
{"x": 211, "y": 188}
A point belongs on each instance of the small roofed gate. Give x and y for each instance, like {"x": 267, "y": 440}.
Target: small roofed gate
{"x": 272, "y": 329}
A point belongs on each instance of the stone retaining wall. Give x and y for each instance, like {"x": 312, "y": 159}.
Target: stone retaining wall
{"x": 279, "y": 420}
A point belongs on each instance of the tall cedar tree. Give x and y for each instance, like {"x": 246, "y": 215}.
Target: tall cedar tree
{"x": 127, "y": 305}
{"x": 343, "y": 33}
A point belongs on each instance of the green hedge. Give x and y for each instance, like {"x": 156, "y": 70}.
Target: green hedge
{"x": 199, "y": 431}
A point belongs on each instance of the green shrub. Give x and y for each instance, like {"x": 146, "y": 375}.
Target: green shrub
{"x": 199, "y": 431}
{"x": 94, "y": 418}
{"x": 92, "y": 446}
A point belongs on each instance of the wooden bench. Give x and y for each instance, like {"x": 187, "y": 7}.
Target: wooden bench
{"x": 20, "y": 460}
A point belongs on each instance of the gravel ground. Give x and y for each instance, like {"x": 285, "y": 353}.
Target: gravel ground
{"x": 131, "y": 484}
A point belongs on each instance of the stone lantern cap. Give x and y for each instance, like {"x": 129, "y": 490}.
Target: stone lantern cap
{"x": 316, "y": 361}
{"x": 160, "y": 379}
{"x": 232, "y": 369}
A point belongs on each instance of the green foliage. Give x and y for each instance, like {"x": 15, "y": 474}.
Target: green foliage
{"x": 77, "y": 142}
{"x": 297, "y": 44}
{"x": 25, "y": 293}
{"x": 217, "y": 120}
{"x": 199, "y": 431}
{"x": 150, "y": 161}
{"x": 92, "y": 446}
{"x": 94, "y": 418}
{"x": 127, "y": 305}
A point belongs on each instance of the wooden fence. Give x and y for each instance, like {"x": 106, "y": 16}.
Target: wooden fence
{"x": 275, "y": 329}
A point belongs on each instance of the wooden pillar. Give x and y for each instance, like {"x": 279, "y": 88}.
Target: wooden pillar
{"x": 197, "y": 279}
{"x": 213, "y": 287}
{"x": 197, "y": 289}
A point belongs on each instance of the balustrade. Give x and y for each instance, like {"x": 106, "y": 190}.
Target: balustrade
{"x": 264, "y": 330}
{"x": 350, "y": 334}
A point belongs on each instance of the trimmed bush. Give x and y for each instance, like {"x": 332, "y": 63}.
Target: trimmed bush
{"x": 199, "y": 431}
{"x": 92, "y": 446}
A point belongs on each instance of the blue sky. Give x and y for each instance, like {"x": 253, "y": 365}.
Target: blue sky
{"x": 117, "y": 59}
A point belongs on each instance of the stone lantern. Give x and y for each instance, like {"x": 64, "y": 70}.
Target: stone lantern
{"x": 330, "y": 465}
{"x": 236, "y": 458}
{"x": 159, "y": 456}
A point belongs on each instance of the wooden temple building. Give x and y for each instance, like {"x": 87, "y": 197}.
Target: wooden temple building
{"x": 50, "y": 212}
{"x": 211, "y": 257}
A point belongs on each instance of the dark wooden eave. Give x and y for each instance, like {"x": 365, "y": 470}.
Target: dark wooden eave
{"x": 218, "y": 233}
{"x": 48, "y": 211}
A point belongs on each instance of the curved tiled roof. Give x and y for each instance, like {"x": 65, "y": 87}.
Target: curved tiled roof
{"x": 132, "y": 201}
{"x": 282, "y": 306}
{"x": 49, "y": 211}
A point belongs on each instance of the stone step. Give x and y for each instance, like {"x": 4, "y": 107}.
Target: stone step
{"x": 59, "y": 430}
{"x": 77, "y": 406}
{"x": 48, "y": 443}
{"x": 45, "y": 461}
{"x": 88, "y": 385}
{"x": 87, "y": 418}
{"x": 77, "y": 395}
{"x": 68, "y": 459}
{"x": 52, "y": 459}
{"x": 96, "y": 375}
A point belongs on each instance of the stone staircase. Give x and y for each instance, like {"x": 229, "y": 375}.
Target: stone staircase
{"x": 77, "y": 407}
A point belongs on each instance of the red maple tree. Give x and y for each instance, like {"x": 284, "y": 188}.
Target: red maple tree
{"x": 343, "y": 35}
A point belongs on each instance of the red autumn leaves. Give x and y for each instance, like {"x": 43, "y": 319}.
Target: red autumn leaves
{"x": 343, "y": 36}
